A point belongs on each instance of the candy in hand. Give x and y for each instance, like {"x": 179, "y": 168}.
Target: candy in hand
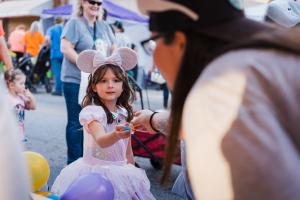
{"x": 126, "y": 128}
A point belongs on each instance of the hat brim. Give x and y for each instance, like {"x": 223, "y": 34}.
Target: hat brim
{"x": 146, "y": 6}
{"x": 233, "y": 31}
{"x": 85, "y": 61}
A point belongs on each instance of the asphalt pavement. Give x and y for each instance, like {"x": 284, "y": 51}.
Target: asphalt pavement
{"x": 45, "y": 129}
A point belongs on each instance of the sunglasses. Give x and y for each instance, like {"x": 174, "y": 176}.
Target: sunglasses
{"x": 150, "y": 44}
{"x": 98, "y": 3}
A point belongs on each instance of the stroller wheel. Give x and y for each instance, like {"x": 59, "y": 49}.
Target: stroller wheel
{"x": 48, "y": 88}
{"x": 157, "y": 163}
{"x": 32, "y": 89}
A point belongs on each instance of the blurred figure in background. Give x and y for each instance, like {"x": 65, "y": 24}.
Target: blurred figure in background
{"x": 4, "y": 50}
{"x": 56, "y": 56}
{"x": 14, "y": 184}
{"x": 162, "y": 83}
{"x": 16, "y": 41}
{"x": 21, "y": 98}
{"x": 33, "y": 40}
{"x": 286, "y": 13}
{"x": 122, "y": 39}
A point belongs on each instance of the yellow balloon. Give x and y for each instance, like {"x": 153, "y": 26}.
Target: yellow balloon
{"x": 39, "y": 170}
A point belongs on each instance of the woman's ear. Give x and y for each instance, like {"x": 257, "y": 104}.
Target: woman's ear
{"x": 179, "y": 44}
{"x": 180, "y": 40}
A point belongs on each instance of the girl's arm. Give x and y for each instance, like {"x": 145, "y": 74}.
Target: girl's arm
{"x": 129, "y": 153}
{"x": 106, "y": 139}
{"x": 67, "y": 48}
{"x": 31, "y": 102}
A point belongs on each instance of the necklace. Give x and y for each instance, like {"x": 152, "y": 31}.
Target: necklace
{"x": 92, "y": 30}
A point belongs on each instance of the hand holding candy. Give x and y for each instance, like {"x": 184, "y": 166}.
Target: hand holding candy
{"x": 126, "y": 128}
{"x": 122, "y": 131}
{"x": 129, "y": 127}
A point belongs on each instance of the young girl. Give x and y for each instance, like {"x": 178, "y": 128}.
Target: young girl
{"x": 105, "y": 116}
{"x": 21, "y": 98}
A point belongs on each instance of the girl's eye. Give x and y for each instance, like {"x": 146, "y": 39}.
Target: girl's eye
{"x": 103, "y": 81}
{"x": 117, "y": 80}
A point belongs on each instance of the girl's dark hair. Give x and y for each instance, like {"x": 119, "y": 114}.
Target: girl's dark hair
{"x": 125, "y": 99}
{"x": 11, "y": 75}
{"x": 199, "y": 51}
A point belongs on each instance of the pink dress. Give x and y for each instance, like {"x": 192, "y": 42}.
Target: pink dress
{"x": 128, "y": 181}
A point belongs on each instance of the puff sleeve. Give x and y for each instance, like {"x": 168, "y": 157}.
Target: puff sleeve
{"x": 92, "y": 113}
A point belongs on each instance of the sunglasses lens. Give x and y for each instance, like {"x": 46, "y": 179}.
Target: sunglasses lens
{"x": 94, "y": 2}
{"x": 149, "y": 47}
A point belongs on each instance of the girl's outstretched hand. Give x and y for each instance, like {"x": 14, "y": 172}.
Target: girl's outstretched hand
{"x": 121, "y": 132}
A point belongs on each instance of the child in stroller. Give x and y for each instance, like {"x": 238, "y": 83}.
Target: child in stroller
{"x": 37, "y": 72}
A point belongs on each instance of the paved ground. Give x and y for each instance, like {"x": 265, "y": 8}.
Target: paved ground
{"x": 45, "y": 129}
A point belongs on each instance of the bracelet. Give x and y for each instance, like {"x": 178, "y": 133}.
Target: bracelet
{"x": 150, "y": 122}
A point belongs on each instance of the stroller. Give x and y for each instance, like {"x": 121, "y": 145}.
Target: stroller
{"x": 149, "y": 145}
{"x": 38, "y": 72}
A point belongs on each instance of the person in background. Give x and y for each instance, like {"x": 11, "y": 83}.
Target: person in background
{"x": 56, "y": 56}
{"x": 284, "y": 13}
{"x": 80, "y": 33}
{"x": 33, "y": 40}
{"x": 122, "y": 39}
{"x": 16, "y": 41}
{"x": 21, "y": 98}
{"x": 4, "y": 56}
{"x": 163, "y": 87}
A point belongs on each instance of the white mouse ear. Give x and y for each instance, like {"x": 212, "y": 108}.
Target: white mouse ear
{"x": 85, "y": 61}
{"x": 129, "y": 58}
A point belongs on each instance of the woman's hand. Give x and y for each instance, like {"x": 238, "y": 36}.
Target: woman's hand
{"x": 141, "y": 121}
{"x": 67, "y": 48}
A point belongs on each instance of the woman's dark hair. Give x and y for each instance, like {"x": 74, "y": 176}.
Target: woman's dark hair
{"x": 199, "y": 51}
{"x": 125, "y": 99}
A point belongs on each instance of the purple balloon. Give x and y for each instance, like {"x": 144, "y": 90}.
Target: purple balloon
{"x": 92, "y": 186}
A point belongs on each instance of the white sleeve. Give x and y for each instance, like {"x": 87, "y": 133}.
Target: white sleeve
{"x": 92, "y": 113}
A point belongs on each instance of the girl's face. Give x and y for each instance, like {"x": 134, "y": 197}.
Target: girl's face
{"x": 18, "y": 85}
{"x": 109, "y": 88}
{"x": 167, "y": 57}
{"x": 91, "y": 7}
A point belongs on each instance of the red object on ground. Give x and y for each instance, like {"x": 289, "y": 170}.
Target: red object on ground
{"x": 151, "y": 146}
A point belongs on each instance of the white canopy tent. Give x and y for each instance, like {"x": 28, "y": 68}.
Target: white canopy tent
{"x": 23, "y": 8}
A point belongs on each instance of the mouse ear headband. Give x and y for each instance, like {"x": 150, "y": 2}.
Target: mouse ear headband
{"x": 90, "y": 60}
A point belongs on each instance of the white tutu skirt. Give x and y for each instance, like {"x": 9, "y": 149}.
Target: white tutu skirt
{"x": 129, "y": 182}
